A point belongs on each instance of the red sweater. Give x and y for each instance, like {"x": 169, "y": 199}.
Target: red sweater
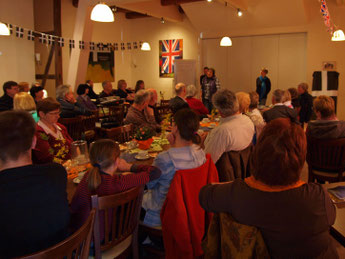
{"x": 183, "y": 220}
{"x": 196, "y": 105}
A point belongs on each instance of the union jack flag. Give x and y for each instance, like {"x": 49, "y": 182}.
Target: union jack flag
{"x": 169, "y": 51}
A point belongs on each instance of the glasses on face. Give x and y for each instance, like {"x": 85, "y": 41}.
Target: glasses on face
{"x": 54, "y": 113}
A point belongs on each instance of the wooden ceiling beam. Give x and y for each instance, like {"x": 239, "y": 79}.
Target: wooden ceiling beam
{"x": 135, "y": 15}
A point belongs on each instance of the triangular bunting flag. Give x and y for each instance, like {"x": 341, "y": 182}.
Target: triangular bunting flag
{"x": 129, "y": 46}
{"x": 43, "y": 38}
{"x": 122, "y": 46}
{"x": 61, "y": 42}
{"x": 92, "y": 46}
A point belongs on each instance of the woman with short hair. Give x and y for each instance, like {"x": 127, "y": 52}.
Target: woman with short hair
{"x": 294, "y": 217}
{"x": 306, "y": 102}
{"x": 53, "y": 141}
{"x": 140, "y": 85}
{"x": 209, "y": 86}
{"x": 83, "y": 99}
{"x": 37, "y": 93}
{"x": 194, "y": 103}
{"x": 24, "y": 101}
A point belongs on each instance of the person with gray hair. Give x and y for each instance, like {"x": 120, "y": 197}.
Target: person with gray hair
{"x": 279, "y": 110}
{"x": 70, "y": 108}
{"x": 179, "y": 101}
{"x": 135, "y": 114}
{"x": 107, "y": 90}
{"x": 235, "y": 131}
{"x": 194, "y": 103}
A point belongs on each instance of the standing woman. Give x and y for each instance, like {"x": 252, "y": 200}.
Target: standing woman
{"x": 263, "y": 86}
{"x": 210, "y": 85}
{"x": 306, "y": 103}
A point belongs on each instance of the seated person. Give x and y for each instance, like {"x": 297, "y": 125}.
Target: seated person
{"x": 254, "y": 114}
{"x": 235, "y": 131}
{"x": 185, "y": 153}
{"x": 69, "y": 106}
{"x": 294, "y": 217}
{"x": 140, "y": 85}
{"x": 24, "y": 87}
{"x": 37, "y": 93}
{"x": 24, "y": 101}
{"x": 107, "y": 90}
{"x": 6, "y": 101}
{"x": 123, "y": 92}
{"x": 151, "y": 110}
{"x": 37, "y": 84}
{"x": 179, "y": 101}
{"x": 279, "y": 110}
{"x": 243, "y": 102}
{"x": 35, "y": 212}
{"x": 327, "y": 125}
{"x": 83, "y": 99}
{"x": 194, "y": 103}
{"x": 91, "y": 92}
{"x": 53, "y": 142}
{"x": 287, "y": 99}
{"x": 102, "y": 180}
{"x": 136, "y": 115}
{"x": 294, "y": 99}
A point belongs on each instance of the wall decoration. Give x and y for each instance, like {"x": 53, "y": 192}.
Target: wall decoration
{"x": 329, "y": 65}
{"x": 169, "y": 50}
{"x": 100, "y": 67}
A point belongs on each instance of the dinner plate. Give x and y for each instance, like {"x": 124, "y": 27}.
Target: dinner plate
{"x": 142, "y": 158}
{"x": 80, "y": 176}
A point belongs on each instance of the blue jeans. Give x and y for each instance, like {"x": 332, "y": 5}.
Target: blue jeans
{"x": 208, "y": 104}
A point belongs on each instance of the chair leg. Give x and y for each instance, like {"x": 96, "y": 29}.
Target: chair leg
{"x": 135, "y": 252}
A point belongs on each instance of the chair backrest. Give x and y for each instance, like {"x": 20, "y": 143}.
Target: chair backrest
{"x": 165, "y": 102}
{"x": 121, "y": 217}
{"x": 120, "y": 134}
{"x": 75, "y": 246}
{"x": 117, "y": 113}
{"x": 74, "y": 127}
{"x": 326, "y": 154}
{"x": 89, "y": 122}
{"x": 234, "y": 164}
{"x": 127, "y": 132}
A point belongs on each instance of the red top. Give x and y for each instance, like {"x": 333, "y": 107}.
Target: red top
{"x": 183, "y": 219}
{"x": 196, "y": 105}
{"x": 49, "y": 149}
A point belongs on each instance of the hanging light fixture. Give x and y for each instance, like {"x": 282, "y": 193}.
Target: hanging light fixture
{"x": 4, "y": 30}
{"x": 146, "y": 46}
{"x": 338, "y": 36}
{"x": 102, "y": 13}
{"x": 225, "y": 42}
{"x": 239, "y": 13}
{"x": 209, "y": 1}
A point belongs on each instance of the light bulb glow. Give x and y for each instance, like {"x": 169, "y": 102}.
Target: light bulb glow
{"x": 4, "y": 30}
{"x": 338, "y": 36}
{"x": 239, "y": 13}
{"x": 102, "y": 13}
{"x": 209, "y": 1}
{"x": 146, "y": 46}
{"x": 225, "y": 42}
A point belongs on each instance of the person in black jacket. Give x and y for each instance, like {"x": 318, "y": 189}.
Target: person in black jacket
{"x": 33, "y": 198}
{"x": 306, "y": 103}
{"x": 10, "y": 90}
{"x": 91, "y": 92}
{"x": 179, "y": 102}
{"x": 263, "y": 86}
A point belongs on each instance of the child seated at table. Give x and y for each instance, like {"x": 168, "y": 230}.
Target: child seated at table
{"x": 102, "y": 178}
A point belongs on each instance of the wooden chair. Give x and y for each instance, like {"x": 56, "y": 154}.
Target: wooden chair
{"x": 153, "y": 233}
{"x": 163, "y": 109}
{"x": 75, "y": 246}
{"x": 120, "y": 134}
{"x": 127, "y": 132}
{"x": 74, "y": 127}
{"x": 165, "y": 102}
{"x": 326, "y": 159}
{"x": 117, "y": 113}
{"x": 89, "y": 127}
{"x": 121, "y": 218}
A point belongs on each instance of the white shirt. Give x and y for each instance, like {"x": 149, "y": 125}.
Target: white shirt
{"x": 47, "y": 130}
{"x": 234, "y": 133}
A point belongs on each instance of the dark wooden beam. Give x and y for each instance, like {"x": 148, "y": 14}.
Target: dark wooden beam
{"x": 75, "y": 3}
{"x": 135, "y": 15}
{"x": 58, "y": 49}
{"x": 177, "y": 2}
{"x": 46, "y": 70}
{"x": 41, "y": 76}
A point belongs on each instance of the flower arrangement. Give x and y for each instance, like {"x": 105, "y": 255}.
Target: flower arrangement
{"x": 143, "y": 133}
{"x": 58, "y": 148}
{"x": 214, "y": 113}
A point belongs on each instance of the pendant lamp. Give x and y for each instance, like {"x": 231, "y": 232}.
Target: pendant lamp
{"x": 4, "y": 29}
{"x": 225, "y": 42}
{"x": 338, "y": 36}
{"x": 102, "y": 13}
{"x": 146, "y": 46}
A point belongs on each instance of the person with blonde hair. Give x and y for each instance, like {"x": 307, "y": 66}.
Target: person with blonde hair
{"x": 287, "y": 99}
{"x": 24, "y": 87}
{"x": 123, "y": 92}
{"x": 255, "y": 115}
{"x": 24, "y": 101}
{"x": 306, "y": 102}
{"x": 327, "y": 125}
{"x": 243, "y": 101}
{"x": 102, "y": 179}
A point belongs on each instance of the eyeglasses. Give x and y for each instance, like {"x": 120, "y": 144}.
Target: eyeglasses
{"x": 54, "y": 113}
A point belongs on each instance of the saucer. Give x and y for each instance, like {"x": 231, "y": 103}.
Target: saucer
{"x": 142, "y": 157}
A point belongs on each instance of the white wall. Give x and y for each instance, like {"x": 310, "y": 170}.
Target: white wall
{"x": 238, "y": 66}
{"x": 17, "y": 55}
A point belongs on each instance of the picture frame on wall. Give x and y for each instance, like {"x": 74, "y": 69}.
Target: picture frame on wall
{"x": 169, "y": 50}
{"x": 329, "y": 65}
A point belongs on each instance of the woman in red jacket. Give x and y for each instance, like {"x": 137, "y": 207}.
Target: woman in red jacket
{"x": 194, "y": 103}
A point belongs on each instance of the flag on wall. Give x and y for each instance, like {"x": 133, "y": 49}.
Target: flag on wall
{"x": 31, "y": 35}
{"x": 19, "y": 32}
{"x": 169, "y": 50}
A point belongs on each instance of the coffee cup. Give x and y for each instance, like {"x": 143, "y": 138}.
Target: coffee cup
{"x": 143, "y": 154}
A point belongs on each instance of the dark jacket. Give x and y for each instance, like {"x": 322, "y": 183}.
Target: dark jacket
{"x": 280, "y": 111}
{"x": 268, "y": 86}
{"x": 70, "y": 110}
{"x": 6, "y": 103}
{"x": 326, "y": 129}
{"x": 104, "y": 94}
{"x": 91, "y": 93}
{"x": 212, "y": 84}
{"x": 177, "y": 103}
{"x": 306, "y": 102}
{"x": 35, "y": 212}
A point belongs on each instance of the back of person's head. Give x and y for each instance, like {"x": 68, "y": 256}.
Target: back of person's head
{"x": 82, "y": 89}
{"x": 8, "y": 85}
{"x": 187, "y": 123}
{"x": 286, "y": 96}
{"x": 226, "y": 102}
{"x": 24, "y": 101}
{"x": 280, "y": 153}
{"x": 243, "y": 101}
{"x": 304, "y": 86}
{"x": 179, "y": 88}
{"x": 152, "y": 95}
{"x": 278, "y": 96}
{"x": 47, "y": 105}
{"x": 138, "y": 85}
{"x": 120, "y": 83}
{"x": 17, "y": 130}
{"x": 254, "y": 100}
{"x": 293, "y": 92}
{"x": 325, "y": 106}
{"x": 141, "y": 97}
{"x": 24, "y": 86}
{"x": 104, "y": 83}
{"x": 61, "y": 91}
{"x": 191, "y": 91}
{"x": 35, "y": 89}
{"x": 103, "y": 154}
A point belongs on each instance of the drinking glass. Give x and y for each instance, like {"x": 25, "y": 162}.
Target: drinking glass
{"x": 79, "y": 152}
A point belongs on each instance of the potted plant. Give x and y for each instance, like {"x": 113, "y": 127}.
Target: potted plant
{"x": 143, "y": 136}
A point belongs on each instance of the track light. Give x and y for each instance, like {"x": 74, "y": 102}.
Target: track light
{"x": 239, "y": 13}
{"x": 209, "y": 1}
{"x": 162, "y": 20}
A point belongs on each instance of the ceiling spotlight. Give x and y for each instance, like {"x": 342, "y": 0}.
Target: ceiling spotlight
{"x": 209, "y": 1}
{"x": 162, "y": 20}
{"x": 239, "y": 13}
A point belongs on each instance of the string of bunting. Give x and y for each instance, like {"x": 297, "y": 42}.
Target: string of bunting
{"x": 327, "y": 17}
{"x": 49, "y": 39}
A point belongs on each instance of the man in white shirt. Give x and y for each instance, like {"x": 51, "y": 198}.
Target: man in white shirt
{"x": 234, "y": 132}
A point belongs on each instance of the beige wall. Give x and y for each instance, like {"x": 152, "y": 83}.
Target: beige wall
{"x": 17, "y": 55}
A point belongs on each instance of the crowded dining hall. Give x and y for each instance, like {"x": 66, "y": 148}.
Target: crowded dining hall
{"x": 172, "y": 129}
